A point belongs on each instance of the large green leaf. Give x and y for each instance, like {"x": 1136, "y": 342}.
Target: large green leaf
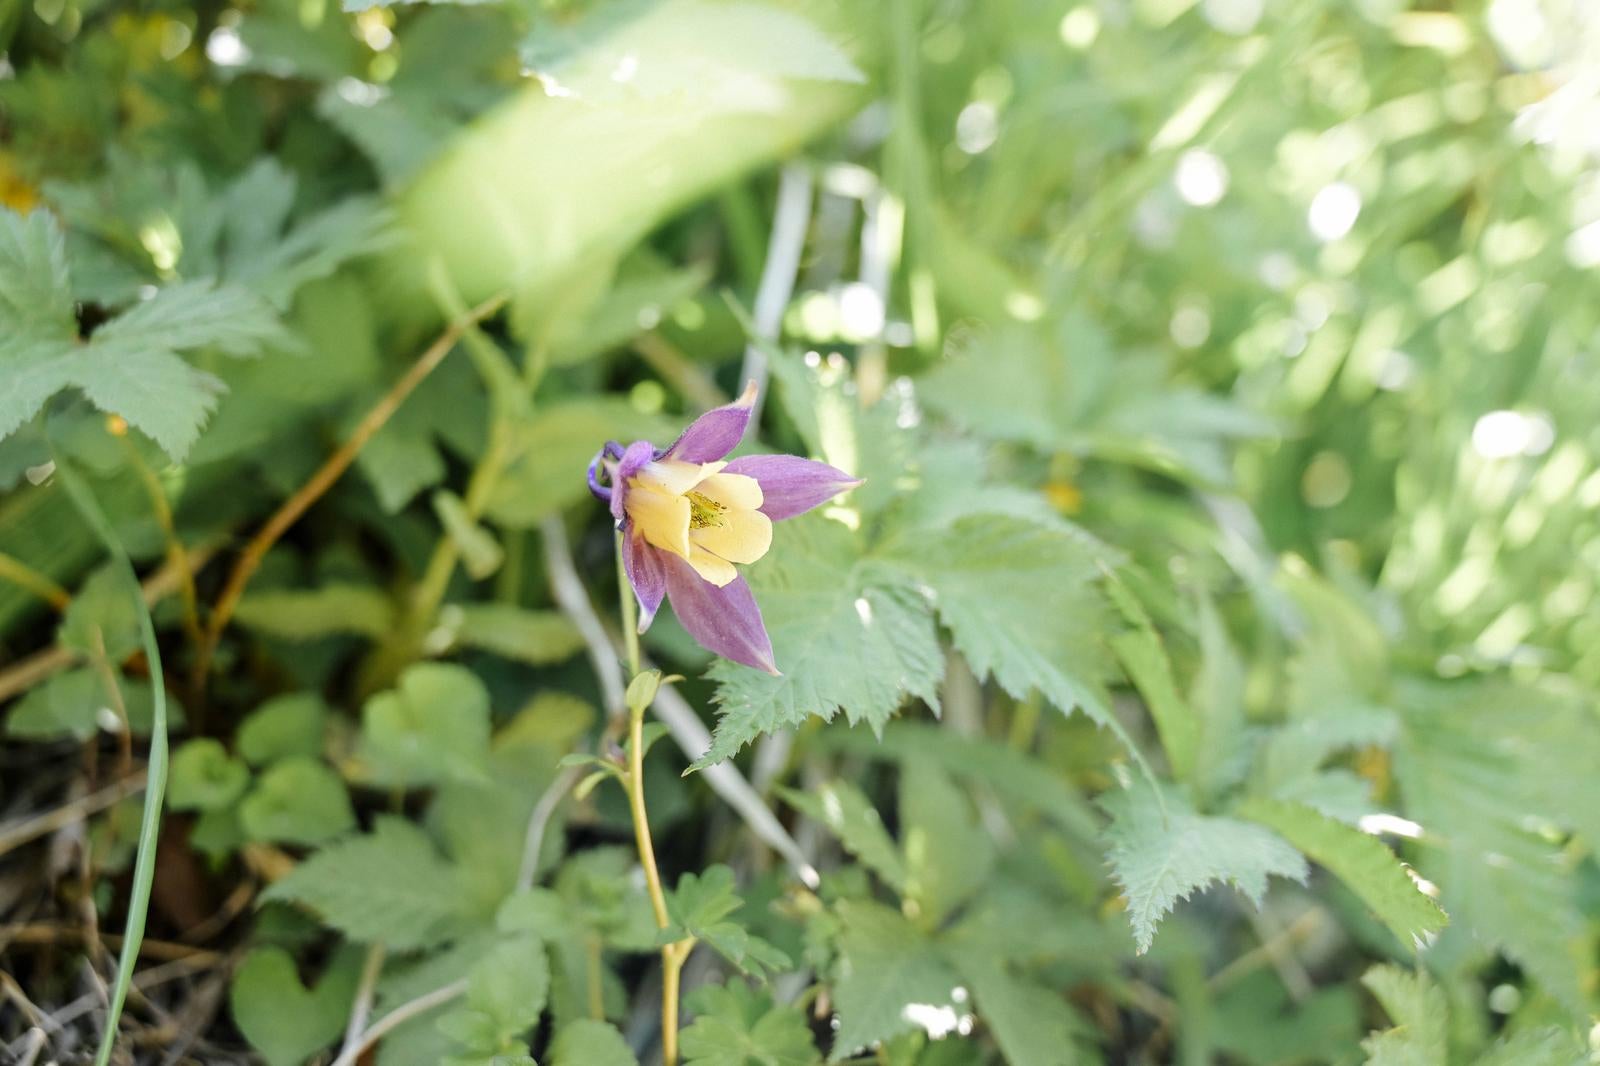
{"x": 888, "y": 977}
{"x": 388, "y": 885}
{"x": 1022, "y": 602}
{"x": 848, "y": 635}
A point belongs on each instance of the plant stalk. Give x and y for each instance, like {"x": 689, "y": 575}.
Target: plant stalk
{"x": 674, "y": 954}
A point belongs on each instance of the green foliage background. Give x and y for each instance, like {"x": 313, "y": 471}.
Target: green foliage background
{"x": 1206, "y": 671}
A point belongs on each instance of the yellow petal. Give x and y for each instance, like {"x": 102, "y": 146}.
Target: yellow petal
{"x": 673, "y": 476}
{"x": 717, "y": 571}
{"x": 740, "y": 537}
{"x": 739, "y": 492}
{"x": 662, "y": 519}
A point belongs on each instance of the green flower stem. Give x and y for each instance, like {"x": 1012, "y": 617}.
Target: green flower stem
{"x": 672, "y": 955}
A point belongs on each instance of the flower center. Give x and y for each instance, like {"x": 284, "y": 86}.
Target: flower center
{"x": 703, "y": 511}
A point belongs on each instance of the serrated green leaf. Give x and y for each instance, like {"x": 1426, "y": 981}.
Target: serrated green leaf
{"x": 129, "y": 367}
{"x": 262, "y": 250}
{"x": 34, "y": 372}
{"x": 736, "y": 1025}
{"x": 847, "y": 635}
{"x": 283, "y": 728}
{"x": 699, "y": 907}
{"x": 431, "y": 728}
{"x": 297, "y": 801}
{"x": 311, "y": 614}
{"x": 587, "y": 1042}
{"x": 389, "y": 885}
{"x": 152, "y": 388}
{"x": 204, "y": 777}
{"x": 196, "y": 314}
{"x": 851, "y": 817}
{"x": 1359, "y": 860}
{"x": 285, "y": 1021}
{"x": 1161, "y": 851}
{"x": 35, "y": 291}
{"x": 885, "y": 966}
{"x": 985, "y": 576}
{"x": 1420, "y": 1014}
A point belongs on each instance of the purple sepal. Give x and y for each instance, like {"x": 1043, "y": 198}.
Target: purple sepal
{"x": 715, "y": 433}
{"x": 632, "y": 458}
{"x": 791, "y": 485}
{"x": 724, "y": 620}
{"x": 612, "y": 450}
{"x": 647, "y": 573}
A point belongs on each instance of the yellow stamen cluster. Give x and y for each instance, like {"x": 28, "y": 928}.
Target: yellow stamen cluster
{"x": 708, "y": 518}
{"x": 704, "y": 511}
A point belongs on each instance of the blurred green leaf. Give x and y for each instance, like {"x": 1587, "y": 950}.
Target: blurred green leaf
{"x": 283, "y": 1019}
{"x": 1359, "y": 860}
{"x": 312, "y": 614}
{"x": 388, "y": 885}
{"x": 948, "y": 855}
{"x": 431, "y": 728}
{"x": 1420, "y": 1014}
{"x": 297, "y": 801}
{"x": 735, "y": 1025}
{"x": 517, "y": 633}
{"x": 551, "y": 450}
{"x": 850, "y": 816}
{"x": 204, "y": 777}
{"x": 100, "y": 622}
{"x": 886, "y": 965}
{"x": 283, "y": 728}
{"x": 590, "y": 1043}
{"x": 481, "y": 554}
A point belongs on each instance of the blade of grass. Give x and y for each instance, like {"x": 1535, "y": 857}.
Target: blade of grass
{"x": 150, "y": 824}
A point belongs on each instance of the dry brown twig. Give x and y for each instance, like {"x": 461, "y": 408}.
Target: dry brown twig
{"x": 244, "y": 567}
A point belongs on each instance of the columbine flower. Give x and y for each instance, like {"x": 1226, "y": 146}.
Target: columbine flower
{"x": 687, "y": 517}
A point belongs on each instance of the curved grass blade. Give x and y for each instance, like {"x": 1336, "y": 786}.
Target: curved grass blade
{"x": 150, "y": 823}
